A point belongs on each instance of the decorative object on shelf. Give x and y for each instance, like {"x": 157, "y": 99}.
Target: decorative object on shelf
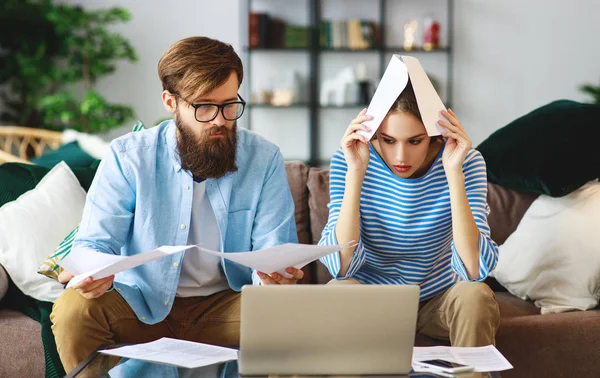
{"x": 336, "y": 90}
{"x": 431, "y": 34}
{"x": 282, "y": 97}
{"x": 263, "y": 96}
{"x": 291, "y": 90}
{"x": 410, "y": 28}
{"x": 364, "y": 85}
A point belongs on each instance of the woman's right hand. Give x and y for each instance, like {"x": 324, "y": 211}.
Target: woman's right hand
{"x": 355, "y": 145}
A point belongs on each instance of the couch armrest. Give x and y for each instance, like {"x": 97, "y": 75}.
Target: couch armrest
{"x": 3, "y": 282}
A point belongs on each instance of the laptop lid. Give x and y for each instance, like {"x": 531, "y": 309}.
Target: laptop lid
{"x": 328, "y": 329}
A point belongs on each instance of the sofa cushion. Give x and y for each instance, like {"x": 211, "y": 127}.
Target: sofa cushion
{"x": 51, "y": 266}
{"x": 552, "y": 150}
{"x": 297, "y": 174}
{"x": 18, "y": 178}
{"x": 3, "y": 282}
{"x": 318, "y": 199}
{"x": 507, "y": 207}
{"x": 552, "y": 258}
{"x": 70, "y": 153}
{"x": 32, "y": 226}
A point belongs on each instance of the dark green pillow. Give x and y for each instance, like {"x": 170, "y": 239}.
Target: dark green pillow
{"x": 18, "y": 178}
{"x": 553, "y": 150}
{"x": 71, "y": 153}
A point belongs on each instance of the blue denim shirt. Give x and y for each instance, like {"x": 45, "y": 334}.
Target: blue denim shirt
{"x": 141, "y": 199}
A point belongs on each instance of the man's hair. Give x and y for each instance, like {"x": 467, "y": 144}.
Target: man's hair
{"x": 407, "y": 102}
{"x": 195, "y": 66}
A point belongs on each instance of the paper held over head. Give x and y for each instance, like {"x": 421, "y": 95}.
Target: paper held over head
{"x": 394, "y": 80}
{"x": 85, "y": 263}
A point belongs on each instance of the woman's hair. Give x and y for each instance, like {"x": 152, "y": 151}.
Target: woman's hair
{"x": 406, "y": 102}
{"x": 195, "y": 66}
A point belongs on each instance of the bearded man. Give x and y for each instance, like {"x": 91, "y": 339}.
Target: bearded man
{"x": 197, "y": 179}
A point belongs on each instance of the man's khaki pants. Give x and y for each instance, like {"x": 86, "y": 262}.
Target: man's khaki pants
{"x": 466, "y": 314}
{"x": 81, "y": 325}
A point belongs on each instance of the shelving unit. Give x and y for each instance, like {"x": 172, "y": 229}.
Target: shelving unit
{"x": 316, "y": 55}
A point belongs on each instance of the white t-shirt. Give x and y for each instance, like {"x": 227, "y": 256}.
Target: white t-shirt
{"x": 202, "y": 274}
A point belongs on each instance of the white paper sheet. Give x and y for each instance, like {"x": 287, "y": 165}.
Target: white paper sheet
{"x": 393, "y": 82}
{"x": 85, "y": 263}
{"x": 182, "y": 353}
{"x": 429, "y": 102}
{"x": 482, "y": 359}
{"x": 277, "y": 259}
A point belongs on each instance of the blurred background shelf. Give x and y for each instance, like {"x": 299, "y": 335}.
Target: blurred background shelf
{"x": 277, "y": 29}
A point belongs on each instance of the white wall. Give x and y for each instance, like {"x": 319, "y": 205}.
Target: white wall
{"x": 510, "y": 57}
{"x": 513, "y": 56}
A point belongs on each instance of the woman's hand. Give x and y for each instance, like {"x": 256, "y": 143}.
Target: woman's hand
{"x": 356, "y": 146}
{"x": 278, "y": 279}
{"x": 457, "y": 145}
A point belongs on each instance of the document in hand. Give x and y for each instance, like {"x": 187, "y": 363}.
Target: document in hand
{"x": 187, "y": 354}
{"x": 85, "y": 263}
{"x": 277, "y": 259}
{"x": 394, "y": 80}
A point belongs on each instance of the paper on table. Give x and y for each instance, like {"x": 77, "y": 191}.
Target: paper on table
{"x": 482, "y": 359}
{"x": 183, "y": 353}
{"x": 277, "y": 259}
{"x": 85, "y": 263}
{"x": 393, "y": 82}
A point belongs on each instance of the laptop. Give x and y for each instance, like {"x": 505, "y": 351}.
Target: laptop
{"x": 327, "y": 329}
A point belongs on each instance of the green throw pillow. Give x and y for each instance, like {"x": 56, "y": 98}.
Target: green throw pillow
{"x": 553, "y": 150}
{"x": 51, "y": 267}
{"x": 18, "y": 178}
{"x": 70, "y": 153}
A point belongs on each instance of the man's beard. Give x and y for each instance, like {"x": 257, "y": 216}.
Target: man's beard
{"x": 206, "y": 156}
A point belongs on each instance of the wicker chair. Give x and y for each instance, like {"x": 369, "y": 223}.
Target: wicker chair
{"x": 19, "y": 144}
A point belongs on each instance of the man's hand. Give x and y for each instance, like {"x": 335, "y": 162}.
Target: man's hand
{"x": 88, "y": 288}
{"x": 278, "y": 279}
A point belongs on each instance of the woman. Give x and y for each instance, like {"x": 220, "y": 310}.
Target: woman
{"x": 417, "y": 207}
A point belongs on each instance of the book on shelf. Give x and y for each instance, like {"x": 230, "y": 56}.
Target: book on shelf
{"x": 353, "y": 34}
{"x": 266, "y": 31}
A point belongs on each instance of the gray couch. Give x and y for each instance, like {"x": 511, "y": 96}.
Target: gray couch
{"x": 21, "y": 349}
{"x": 556, "y": 345}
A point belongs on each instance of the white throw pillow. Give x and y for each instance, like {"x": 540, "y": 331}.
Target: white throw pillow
{"x": 32, "y": 226}
{"x": 553, "y": 257}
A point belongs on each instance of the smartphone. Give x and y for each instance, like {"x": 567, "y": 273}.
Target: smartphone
{"x": 446, "y": 366}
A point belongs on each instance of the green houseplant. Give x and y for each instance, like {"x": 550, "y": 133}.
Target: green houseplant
{"x": 593, "y": 91}
{"x": 50, "y": 57}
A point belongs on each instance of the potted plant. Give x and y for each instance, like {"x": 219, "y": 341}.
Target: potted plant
{"x": 47, "y": 51}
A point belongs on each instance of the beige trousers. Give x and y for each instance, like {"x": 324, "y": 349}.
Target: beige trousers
{"x": 466, "y": 314}
{"x": 81, "y": 325}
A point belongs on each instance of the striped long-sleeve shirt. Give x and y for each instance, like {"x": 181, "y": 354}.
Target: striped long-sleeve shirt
{"x": 406, "y": 225}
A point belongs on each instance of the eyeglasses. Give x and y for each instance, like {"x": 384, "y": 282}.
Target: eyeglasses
{"x": 208, "y": 112}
